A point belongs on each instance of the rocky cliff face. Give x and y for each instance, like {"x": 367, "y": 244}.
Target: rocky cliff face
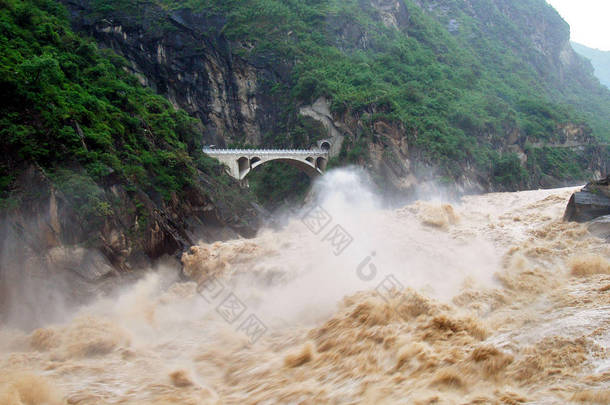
{"x": 393, "y": 13}
{"x": 45, "y": 240}
{"x": 599, "y": 59}
{"x": 193, "y": 65}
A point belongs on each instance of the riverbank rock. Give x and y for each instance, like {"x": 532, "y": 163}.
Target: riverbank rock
{"x": 591, "y": 202}
{"x": 59, "y": 247}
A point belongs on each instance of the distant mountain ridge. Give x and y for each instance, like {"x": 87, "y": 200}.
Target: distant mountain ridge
{"x": 599, "y": 59}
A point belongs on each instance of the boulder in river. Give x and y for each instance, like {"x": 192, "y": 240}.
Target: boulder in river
{"x": 591, "y": 202}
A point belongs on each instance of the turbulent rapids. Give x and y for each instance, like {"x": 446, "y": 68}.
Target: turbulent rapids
{"x": 491, "y": 299}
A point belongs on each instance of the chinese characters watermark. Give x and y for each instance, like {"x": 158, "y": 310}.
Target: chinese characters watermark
{"x": 231, "y": 308}
{"x": 317, "y": 219}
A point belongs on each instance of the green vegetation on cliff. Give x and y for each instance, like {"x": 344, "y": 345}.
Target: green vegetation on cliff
{"x": 459, "y": 76}
{"x": 72, "y": 110}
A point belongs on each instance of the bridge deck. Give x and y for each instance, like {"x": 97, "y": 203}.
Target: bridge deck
{"x": 210, "y": 151}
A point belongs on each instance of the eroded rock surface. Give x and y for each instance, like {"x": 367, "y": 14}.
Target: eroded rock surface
{"x": 591, "y": 202}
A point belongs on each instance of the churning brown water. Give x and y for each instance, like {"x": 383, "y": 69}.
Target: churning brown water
{"x": 492, "y": 299}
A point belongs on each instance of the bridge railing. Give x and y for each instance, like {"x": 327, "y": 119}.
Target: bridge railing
{"x": 263, "y": 151}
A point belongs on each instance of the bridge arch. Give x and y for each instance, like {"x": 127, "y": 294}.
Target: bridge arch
{"x": 309, "y": 167}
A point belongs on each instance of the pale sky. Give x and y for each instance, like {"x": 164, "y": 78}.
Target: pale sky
{"x": 589, "y": 21}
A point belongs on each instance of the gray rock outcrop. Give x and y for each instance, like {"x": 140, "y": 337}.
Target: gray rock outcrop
{"x": 591, "y": 202}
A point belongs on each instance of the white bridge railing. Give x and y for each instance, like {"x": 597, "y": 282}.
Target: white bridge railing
{"x": 212, "y": 151}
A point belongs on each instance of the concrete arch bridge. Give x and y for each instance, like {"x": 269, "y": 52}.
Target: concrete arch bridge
{"x": 240, "y": 162}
